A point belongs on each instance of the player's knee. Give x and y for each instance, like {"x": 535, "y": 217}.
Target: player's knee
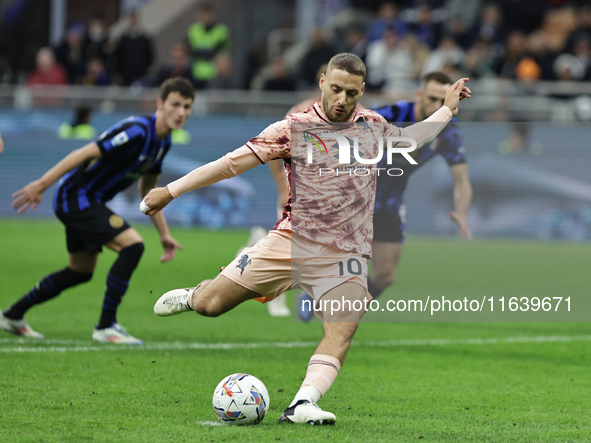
{"x": 208, "y": 307}
{"x": 133, "y": 253}
{"x": 76, "y": 277}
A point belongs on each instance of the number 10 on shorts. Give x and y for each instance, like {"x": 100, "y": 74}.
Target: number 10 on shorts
{"x": 351, "y": 266}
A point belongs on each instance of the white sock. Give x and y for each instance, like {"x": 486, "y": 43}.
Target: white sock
{"x": 309, "y": 393}
{"x": 322, "y": 372}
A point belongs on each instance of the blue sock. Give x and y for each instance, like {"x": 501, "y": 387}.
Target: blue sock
{"x": 47, "y": 288}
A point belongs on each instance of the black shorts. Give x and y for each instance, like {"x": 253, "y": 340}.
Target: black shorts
{"x": 388, "y": 226}
{"x": 89, "y": 230}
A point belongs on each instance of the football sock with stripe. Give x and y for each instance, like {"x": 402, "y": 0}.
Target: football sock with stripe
{"x": 118, "y": 281}
{"x": 47, "y": 288}
{"x": 322, "y": 372}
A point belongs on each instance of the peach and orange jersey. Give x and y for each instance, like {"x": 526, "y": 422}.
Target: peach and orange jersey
{"x": 336, "y": 208}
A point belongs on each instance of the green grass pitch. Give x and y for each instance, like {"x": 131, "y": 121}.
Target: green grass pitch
{"x": 402, "y": 381}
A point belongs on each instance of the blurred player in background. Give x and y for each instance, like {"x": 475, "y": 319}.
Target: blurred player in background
{"x": 132, "y": 149}
{"x": 344, "y": 219}
{"x": 1, "y": 144}
{"x": 389, "y": 215}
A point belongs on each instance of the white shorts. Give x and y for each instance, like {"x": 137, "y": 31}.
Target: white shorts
{"x": 280, "y": 261}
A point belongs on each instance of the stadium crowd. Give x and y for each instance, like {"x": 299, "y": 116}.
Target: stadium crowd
{"x": 399, "y": 40}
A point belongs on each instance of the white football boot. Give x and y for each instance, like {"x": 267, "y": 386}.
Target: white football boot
{"x": 305, "y": 412}
{"x": 17, "y": 327}
{"x": 173, "y": 302}
{"x": 115, "y": 334}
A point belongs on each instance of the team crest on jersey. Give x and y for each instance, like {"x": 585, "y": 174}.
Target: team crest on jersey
{"x": 120, "y": 139}
{"x": 243, "y": 263}
{"x": 115, "y": 221}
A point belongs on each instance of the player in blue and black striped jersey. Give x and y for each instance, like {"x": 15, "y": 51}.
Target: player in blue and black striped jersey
{"x": 389, "y": 215}
{"x": 130, "y": 150}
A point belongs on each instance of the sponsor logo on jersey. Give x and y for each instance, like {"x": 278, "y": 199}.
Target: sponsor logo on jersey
{"x": 120, "y": 139}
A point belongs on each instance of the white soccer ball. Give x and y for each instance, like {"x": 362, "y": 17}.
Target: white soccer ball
{"x": 240, "y": 399}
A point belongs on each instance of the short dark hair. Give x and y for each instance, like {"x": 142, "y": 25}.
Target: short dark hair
{"x": 436, "y": 76}
{"x": 177, "y": 84}
{"x": 347, "y": 62}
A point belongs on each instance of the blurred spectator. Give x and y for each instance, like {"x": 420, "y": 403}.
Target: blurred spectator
{"x": 280, "y": 79}
{"x": 567, "y": 67}
{"x": 460, "y": 32}
{"x": 582, "y": 51}
{"x": 134, "y": 53}
{"x": 387, "y": 18}
{"x": 223, "y": 67}
{"x": 582, "y": 29}
{"x": 70, "y": 54}
{"x": 461, "y": 11}
{"x": 425, "y": 28}
{"x": 326, "y": 10}
{"x": 96, "y": 73}
{"x": 80, "y": 128}
{"x": 24, "y": 28}
{"x": 316, "y": 55}
{"x": 389, "y": 63}
{"x": 206, "y": 39}
{"x": 96, "y": 43}
{"x": 527, "y": 69}
{"x": 490, "y": 28}
{"x": 448, "y": 52}
{"x": 478, "y": 62}
{"x": 47, "y": 71}
{"x": 515, "y": 50}
{"x": 356, "y": 42}
{"x": 419, "y": 53}
{"x": 178, "y": 65}
{"x": 541, "y": 54}
{"x": 523, "y": 15}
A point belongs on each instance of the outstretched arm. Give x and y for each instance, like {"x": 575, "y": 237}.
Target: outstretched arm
{"x": 169, "y": 244}
{"x": 230, "y": 165}
{"x": 425, "y": 131}
{"x": 32, "y": 194}
{"x": 462, "y": 198}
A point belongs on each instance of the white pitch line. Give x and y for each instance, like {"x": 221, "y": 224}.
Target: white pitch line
{"x": 29, "y": 345}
